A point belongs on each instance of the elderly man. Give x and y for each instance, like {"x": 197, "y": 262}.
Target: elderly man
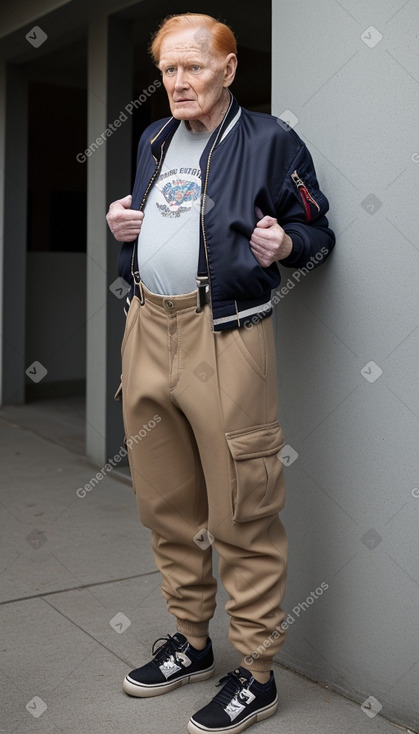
{"x": 221, "y": 196}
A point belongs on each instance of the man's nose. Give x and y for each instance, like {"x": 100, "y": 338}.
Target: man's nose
{"x": 180, "y": 81}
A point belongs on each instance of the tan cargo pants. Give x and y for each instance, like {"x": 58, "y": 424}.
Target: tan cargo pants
{"x": 200, "y": 418}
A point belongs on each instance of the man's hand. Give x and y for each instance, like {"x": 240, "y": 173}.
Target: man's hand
{"x": 269, "y": 242}
{"x": 124, "y": 223}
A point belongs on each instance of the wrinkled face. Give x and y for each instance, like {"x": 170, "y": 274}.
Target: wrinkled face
{"x": 195, "y": 76}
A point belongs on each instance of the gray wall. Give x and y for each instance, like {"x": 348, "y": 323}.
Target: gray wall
{"x": 353, "y": 497}
{"x": 2, "y": 164}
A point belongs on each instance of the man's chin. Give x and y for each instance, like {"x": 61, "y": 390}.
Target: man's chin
{"x": 181, "y": 114}
{"x": 185, "y": 111}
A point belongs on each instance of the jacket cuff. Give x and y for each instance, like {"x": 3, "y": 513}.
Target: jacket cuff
{"x": 297, "y": 253}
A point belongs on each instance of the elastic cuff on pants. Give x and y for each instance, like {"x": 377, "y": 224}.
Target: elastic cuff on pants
{"x": 261, "y": 665}
{"x": 194, "y": 629}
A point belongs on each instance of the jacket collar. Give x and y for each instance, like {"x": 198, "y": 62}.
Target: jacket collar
{"x": 166, "y": 132}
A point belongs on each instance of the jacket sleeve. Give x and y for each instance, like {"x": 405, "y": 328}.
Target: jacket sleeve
{"x": 301, "y": 212}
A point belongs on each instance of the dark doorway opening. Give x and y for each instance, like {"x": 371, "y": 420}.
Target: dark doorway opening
{"x": 56, "y": 243}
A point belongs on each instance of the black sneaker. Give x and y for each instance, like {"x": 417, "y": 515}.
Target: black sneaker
{"x": 240, "y": 703}
{"x": 175, "y": 663}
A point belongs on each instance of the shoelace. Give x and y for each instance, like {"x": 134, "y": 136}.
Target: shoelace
{"x": 233, "y": 685}
{"x": 169, "y": 648}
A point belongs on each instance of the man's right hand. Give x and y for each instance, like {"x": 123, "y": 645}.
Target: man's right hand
{"x": 124, "y": 223}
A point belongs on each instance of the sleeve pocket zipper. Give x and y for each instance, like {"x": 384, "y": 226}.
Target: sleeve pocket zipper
{"x": 306, "y": 197}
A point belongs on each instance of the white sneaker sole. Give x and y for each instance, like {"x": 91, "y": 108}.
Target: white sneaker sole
{"x": 195, "y": 728}
{"x": 141, "y": 690}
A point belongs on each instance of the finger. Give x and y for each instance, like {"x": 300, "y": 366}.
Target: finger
{"x": 260, "y": 249}
{"x": 129, "y": 237}
{"x": 131, "y": 232}
{"x": 263, "y": 249}
{"x": 123, "y": 233}
{"x": 134, "y": 221}
{"x": 133, "y": 216}
{"x": 266, "y": 222}
{"x": 261, "y": 260}
{"x": 132, "y": 229}
{"x": 121, "y": 204}
{"x": 261, "y": 237}
{"x": 119, "y": 223}
{"x": 126, "y": 201}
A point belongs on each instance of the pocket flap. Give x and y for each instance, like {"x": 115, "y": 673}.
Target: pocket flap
{"x": 251, "y": 443}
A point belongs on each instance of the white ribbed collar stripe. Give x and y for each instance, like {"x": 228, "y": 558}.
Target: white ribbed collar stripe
{"x": 231, "y": 125}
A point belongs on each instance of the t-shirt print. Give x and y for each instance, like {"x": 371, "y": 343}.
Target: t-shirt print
{"x": 178, "y": 191}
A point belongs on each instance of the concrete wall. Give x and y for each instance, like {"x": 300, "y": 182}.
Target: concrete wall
{"x": 348, "y": 342}
{"x": 2, "y": 182}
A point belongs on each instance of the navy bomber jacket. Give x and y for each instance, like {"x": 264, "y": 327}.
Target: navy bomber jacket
{"x": 252, "y": 164}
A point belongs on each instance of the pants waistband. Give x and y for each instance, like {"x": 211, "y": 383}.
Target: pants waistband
{"x": 170, "y": 304}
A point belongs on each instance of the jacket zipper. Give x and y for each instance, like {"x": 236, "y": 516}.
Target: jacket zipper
{"x": 153, "y": 178}
{"x": 203, "y": 200}
{"x": 305, "y": 195}
{"x": 159, "y": 164}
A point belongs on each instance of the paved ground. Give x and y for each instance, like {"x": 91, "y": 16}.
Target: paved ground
{"x": 80, "y": 601}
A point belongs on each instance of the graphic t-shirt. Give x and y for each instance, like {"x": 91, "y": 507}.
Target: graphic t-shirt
{"x": 168, "y": 244}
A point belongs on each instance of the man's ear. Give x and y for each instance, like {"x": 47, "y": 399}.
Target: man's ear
{"x": 230, "y": 67}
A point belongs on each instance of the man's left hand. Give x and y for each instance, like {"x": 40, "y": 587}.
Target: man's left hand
{"x": 269, "y": 242}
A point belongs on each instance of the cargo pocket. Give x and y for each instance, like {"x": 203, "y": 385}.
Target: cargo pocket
{"x": 257, "y": 480}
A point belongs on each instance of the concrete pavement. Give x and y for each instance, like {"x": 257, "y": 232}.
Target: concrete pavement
{"x": 80, "y": 601}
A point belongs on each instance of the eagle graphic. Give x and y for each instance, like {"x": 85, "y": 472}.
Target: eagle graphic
{"x": 180, "y": 195}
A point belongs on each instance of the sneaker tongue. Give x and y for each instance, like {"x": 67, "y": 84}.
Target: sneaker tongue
{"x": 243, "y": 674}
{"x": 180, "y": 638}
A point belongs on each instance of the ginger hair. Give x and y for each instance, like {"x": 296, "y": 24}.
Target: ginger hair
{"x": 223, "y": 39}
